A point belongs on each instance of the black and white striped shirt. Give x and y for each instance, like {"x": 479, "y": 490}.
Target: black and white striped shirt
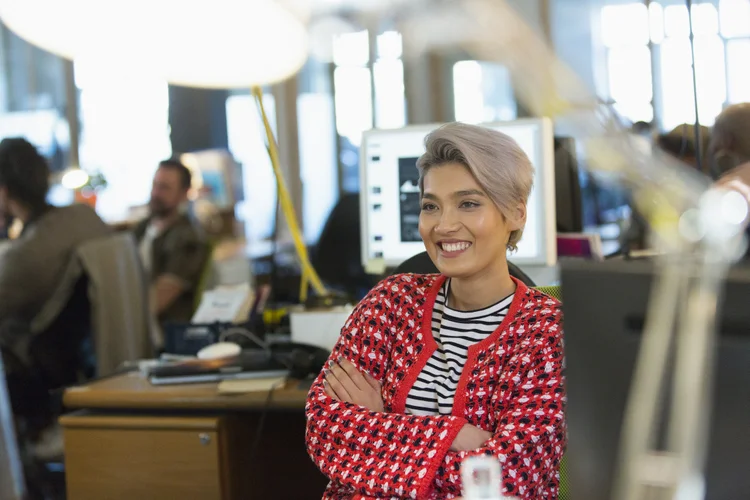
{"x": 454, "y": 331}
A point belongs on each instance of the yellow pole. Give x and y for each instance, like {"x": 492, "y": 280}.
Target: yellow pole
{"x": 308, "y": 272}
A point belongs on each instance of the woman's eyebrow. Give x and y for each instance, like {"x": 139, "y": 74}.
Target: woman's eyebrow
{"x": 457, "y": 194}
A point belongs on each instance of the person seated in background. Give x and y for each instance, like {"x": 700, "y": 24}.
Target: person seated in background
{"x": 32, "y": 264}
{"x": 680, "y": 143}
{"x": 730, "y": 140}
{"x": 31, "y": 268}
{"x": 172, "y": 248}
{"x": 432, "y": 369}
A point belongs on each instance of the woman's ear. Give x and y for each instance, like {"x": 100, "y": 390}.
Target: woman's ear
{"x": 518, "y": 221}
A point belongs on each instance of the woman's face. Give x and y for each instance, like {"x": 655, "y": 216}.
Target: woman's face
{"x": 464, "y": 232}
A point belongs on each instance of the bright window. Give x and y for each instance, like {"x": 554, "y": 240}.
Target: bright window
{"x": 358, "y": 107}
{"x": 351, "y": 49}
{"x": 630, "y": 74}
{"x": 734, "y": 16}
{"x": 676, "y": 22}
{"x": 124, "y": 133}
{"x": 388, "y": 72}
{"x": 720, "y": 62}
{"x": 738, "y": 55}
{"x": 390, "y": 104}
{"x": 626, "y": 31}
{"x": 317, "y": 154}
{"x": 677, "y": 77}
{"x": 712, "y": 81}
{"x": 624, "y": 25}
{"x": 246, "y": 138}
{"x": 705, "y": 19}
{"x": 353, "y": 102}
{"x": 482, "y": 92}
{"x": 656, "y": 22}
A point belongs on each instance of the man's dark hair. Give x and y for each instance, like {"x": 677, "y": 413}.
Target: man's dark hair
{"x": 24, "y": 172}
{"x": 185, "y": 175}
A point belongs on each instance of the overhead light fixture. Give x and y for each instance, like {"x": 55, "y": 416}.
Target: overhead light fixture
{"x": 219, "y": 44}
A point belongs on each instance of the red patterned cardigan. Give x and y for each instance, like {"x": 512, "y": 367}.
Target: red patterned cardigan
{"x": 512, "y": 386}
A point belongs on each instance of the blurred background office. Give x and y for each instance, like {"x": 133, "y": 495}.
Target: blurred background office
{"x": 635, "y": 56}
{"x": 106, "y": 131}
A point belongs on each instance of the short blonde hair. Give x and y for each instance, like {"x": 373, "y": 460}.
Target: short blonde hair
{"x": 494, "y": 159}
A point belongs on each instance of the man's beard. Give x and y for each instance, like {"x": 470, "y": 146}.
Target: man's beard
{"x": 158, "y": 209}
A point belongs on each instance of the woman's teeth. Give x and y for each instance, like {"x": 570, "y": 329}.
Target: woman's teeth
{"x": 456, "y": 247}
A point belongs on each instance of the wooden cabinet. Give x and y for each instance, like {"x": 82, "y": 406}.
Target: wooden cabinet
{"x": 132, "y": 440}
{"x": 147, "y": 457}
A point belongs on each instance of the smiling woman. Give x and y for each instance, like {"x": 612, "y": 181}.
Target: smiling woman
{"x": 432, "y": 369}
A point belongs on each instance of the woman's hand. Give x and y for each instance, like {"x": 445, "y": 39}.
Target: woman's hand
{"x": 470, "y": 438}
{"x": 344, "y": 382}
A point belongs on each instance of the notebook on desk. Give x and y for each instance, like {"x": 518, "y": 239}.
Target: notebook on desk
{"x": 216, "y": 377}
{"x": 249, "y": 364}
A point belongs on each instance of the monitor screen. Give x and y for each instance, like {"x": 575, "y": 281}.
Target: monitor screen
{"x": 605, "y": 306}
{"x": 390, "y": 204}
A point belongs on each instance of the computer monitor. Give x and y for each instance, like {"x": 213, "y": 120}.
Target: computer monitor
{"x": 604, "y": 306}
{"x": 389, "y": 193}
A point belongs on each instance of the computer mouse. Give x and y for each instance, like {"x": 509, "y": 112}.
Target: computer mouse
{"x": 219, "y": 351}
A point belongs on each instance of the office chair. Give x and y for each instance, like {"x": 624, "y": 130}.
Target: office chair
{"x": 422, "y": 264}
{"x": 556, "y": 292}
{"x": 207, "y": 273}
{"x": 552, "y": 291}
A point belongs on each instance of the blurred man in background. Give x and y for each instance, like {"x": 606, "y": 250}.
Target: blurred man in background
{"x": 172, "y": 249}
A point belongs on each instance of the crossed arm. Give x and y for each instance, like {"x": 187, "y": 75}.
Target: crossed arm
{"x": 343, "y": 382}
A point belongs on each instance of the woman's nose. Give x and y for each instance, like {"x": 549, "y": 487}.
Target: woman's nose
{"x": 448, "y": 222}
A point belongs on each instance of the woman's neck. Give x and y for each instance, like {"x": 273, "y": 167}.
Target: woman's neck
{"x": 481, "y": 290}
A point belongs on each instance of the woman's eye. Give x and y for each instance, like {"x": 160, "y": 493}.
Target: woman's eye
{"x": 469, "y": 204}
{"x": 428, "y": 207}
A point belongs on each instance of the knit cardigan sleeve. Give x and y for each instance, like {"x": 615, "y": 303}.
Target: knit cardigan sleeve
{"x": 529, "y": 438}
{"x": 367, "y": 453}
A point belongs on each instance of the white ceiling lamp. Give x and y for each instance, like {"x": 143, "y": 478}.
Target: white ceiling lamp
{"x": 217, "y": 44}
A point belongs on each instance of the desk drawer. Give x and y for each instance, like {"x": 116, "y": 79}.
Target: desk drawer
{"x": 143, "y": 457}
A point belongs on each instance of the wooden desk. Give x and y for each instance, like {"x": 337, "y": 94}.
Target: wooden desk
{"x": 130, "y": 439}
